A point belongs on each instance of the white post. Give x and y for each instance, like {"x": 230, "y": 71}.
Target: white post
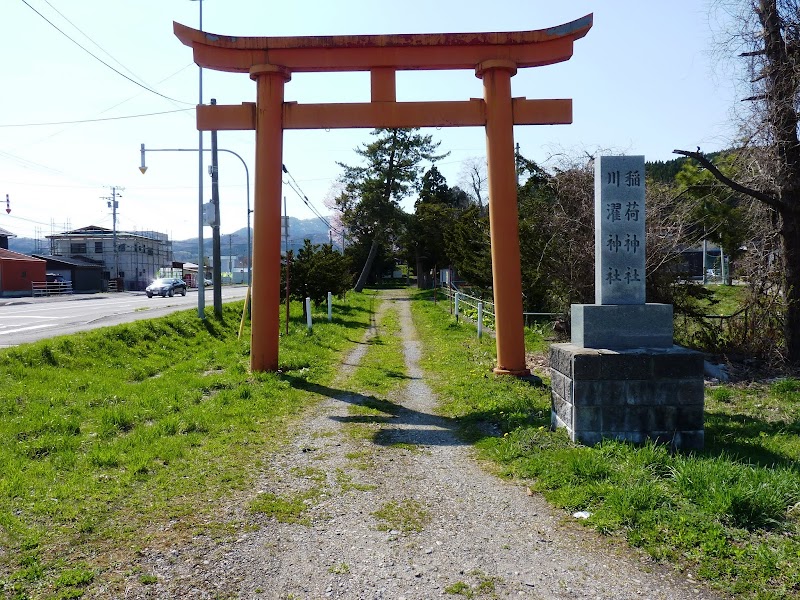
{"x": 330, "y": 307}
{"x": 456, "y": 306}
{"x": 480, "y": 320}
{"x": 308, "y": 312}
{"x": 705, "y": 251}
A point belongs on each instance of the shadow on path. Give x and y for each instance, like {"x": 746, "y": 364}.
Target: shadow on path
{"x": 399, "y": 425}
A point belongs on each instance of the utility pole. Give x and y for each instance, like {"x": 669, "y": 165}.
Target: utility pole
{"x": 215, "y": 241}
{"x": 113, "y": 205}
{"x": 201, "y": 273}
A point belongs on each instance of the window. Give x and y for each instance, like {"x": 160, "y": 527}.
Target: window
{"x": 77, "y": 248}
{"x": 121, "y": 248}
{"x": 98, "y": 247}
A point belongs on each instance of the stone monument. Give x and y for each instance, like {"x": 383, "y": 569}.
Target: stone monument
{"x": 621, "y": 377}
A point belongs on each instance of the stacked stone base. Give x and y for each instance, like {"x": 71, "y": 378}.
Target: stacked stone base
{"x": 632, "y": 395}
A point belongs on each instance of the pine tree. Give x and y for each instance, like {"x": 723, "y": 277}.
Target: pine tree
{"x": 370, "y": 201}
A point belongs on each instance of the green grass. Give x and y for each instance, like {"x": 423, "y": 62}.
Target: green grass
{"x": 382, "y": 368}
{"x": 406, "y": 516}
{"x": 726, "y": 299}
{"x": 729, "y": 515}
{"x": 133, "y": 434}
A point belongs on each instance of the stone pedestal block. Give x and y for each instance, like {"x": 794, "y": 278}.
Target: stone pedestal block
{"x": 633, "y": 395}
{"x": 622, "y": 326}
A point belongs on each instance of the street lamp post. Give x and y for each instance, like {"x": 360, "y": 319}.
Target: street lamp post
{"x": 143, "y": 169}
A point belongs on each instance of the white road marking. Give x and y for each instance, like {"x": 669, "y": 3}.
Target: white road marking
{"x": 27, "y": 328}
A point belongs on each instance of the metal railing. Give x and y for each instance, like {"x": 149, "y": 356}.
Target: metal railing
{"x": 482, "y": 312}
{"x": 54, "y": 288}
{"x": 467, "y": 305}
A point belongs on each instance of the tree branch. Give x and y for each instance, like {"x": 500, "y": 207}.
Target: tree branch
{"x": 767, "y": 199}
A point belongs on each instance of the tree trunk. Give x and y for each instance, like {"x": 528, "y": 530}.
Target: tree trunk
{"x": 373, "y": 252}
{"x": 420, "y": 273}
{"x": 387, "y": 196}
{"x": 791, "y": 265}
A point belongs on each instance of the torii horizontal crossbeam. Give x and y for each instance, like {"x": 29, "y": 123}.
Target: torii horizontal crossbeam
{"x": 471, "y": 113}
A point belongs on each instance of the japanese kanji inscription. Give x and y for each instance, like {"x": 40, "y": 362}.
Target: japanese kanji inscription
{"x": 619, "y": 230}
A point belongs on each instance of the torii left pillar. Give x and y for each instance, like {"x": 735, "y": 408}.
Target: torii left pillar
{"x": 270, "y": 80}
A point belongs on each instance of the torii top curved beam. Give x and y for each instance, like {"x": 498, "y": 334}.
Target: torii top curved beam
{"x": 429, "y": 51}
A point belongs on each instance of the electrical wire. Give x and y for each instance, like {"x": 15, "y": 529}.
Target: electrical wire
{"x": 163, "y": 112}
{"x": 84, "y": 34}
{"x": 295, "y": 187}
{"x": 90, "y": 53}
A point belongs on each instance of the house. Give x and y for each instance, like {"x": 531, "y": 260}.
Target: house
{"x": 133, "y": 263}
{"x": 84, "y": 275}
{"x": 18, "y": 272}
{"x": 4, "y": 235}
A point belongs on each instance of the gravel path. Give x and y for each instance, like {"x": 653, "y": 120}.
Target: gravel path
{"x": 443, "y": 528}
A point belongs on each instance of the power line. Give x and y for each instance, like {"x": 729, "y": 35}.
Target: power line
{"x": 163, "y": 112}
{"x": 90, "y": 53}
{"x": 296, "y": 189}
{"x": 84, "y": 34}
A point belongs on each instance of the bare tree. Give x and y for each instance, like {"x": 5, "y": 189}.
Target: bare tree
{"x": 768, "y": 35}
{"x": 474, "y": 178}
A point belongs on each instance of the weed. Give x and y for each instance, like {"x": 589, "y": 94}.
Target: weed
{"x": 459, "y": 588}
{"x": 721, "y": 394}
{"x": 346, "y": 483}
{"x": 340, "y": 569}
{"x": 285, "y": 510}
{"x": 310, "y": 473}
{"x": 408, "y": 515}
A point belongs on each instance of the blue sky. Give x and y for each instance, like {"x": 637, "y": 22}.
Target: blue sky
{"x": 642, "y": 82}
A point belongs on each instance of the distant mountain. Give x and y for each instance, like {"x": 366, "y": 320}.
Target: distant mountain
{"x": 28, "y": 246}
{"x": 230, "y": 243}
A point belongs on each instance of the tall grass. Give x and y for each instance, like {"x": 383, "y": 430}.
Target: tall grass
{"x": 131, "y": 434}
{"x": 729, "y": 514}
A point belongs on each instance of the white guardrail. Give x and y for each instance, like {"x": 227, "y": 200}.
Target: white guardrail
{"x": 481, "y": 311}
{"x": 55, "y": 288}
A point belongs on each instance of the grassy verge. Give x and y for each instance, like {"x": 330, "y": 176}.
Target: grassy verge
{"x": 382, "y": 368}
{"x": 134, "y": 435}
{"x": 729, "y": 515}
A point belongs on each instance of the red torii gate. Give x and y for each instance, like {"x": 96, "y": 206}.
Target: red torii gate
{"x": 495, "y": 57}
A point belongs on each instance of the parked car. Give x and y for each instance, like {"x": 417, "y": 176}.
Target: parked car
{"x": 166, "y": 286}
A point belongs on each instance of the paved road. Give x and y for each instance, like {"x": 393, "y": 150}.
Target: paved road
{"x": 24, "y": 320}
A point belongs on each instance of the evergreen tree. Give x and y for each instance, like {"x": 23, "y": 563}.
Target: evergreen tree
{"x": 316, "y": 270}
{"x": 370, "y": 200}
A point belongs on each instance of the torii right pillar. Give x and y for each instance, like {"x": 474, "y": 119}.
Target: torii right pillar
{"x": 503, "y": 216}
